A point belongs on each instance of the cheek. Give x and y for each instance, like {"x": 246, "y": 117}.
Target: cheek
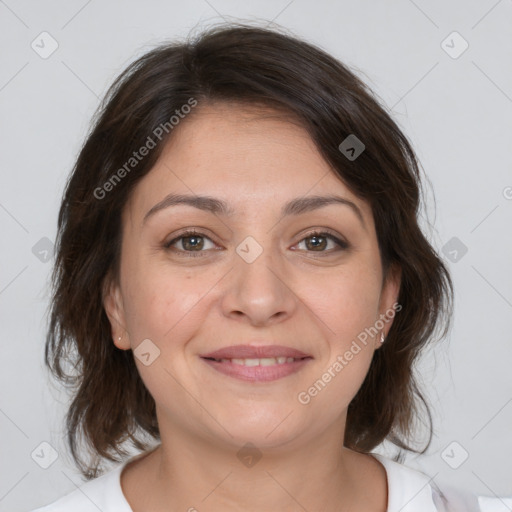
{"x": 349, "y": 310}
{"x": 163, "y": 304}
{"x": 348, "y": 304}
{"x": 165, "y": 308}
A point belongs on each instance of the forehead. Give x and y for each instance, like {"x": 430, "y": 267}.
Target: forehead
{"x": 222, "y": 135}
{"x": 247, "y": 155}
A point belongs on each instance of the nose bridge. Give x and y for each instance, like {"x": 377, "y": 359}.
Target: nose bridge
{"x": 257, "y": 288}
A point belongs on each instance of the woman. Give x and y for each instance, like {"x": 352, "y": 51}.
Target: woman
{"x": 242, "y": 287}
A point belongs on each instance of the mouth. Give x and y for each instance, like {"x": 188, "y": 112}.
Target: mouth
{"x": 264, "y": 361}
{"x": 257, "y": 363}
{"x": 252, "y": 351}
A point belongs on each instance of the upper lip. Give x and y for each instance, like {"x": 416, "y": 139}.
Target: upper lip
{"x": 255, "y": 352}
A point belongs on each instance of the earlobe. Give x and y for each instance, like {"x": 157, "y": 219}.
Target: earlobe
{"x": 113, "y": 305}
{"x": 379, "y": 340}
{"x": 389, "y": 305}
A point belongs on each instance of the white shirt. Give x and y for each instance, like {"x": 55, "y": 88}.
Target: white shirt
{"x": 409, "y": 490}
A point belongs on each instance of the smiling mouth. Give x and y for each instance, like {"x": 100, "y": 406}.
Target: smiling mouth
{"x": 264, "y": 361}
{"x": 262, "y": 370}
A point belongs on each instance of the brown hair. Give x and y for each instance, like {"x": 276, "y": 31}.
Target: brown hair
{"x": 254, "y": 66}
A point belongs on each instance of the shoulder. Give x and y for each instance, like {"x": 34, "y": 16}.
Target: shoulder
{"x": 103, "y": 493}
{"x": 410, "y": 490}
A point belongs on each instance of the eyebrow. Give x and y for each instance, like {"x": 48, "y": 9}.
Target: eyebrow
{"x": 216, "y": 206}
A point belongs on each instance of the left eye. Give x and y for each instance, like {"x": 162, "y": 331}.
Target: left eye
{"x": 319, "y": 242}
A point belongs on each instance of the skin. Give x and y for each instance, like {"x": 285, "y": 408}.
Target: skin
{"x": 291, "y": 295}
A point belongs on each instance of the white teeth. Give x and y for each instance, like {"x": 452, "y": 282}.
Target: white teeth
{"x": 264, "y": 361}
{"x": 249, "y": 362}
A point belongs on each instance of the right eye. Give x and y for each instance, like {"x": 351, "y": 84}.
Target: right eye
{"x": 192, "y": 244}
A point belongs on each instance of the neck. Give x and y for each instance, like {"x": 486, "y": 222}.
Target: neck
{"x": 193, "y": 474}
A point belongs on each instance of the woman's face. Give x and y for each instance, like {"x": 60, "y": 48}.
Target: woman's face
{"x": 252, "y": 275}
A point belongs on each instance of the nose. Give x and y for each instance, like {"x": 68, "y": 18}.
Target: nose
{"x": 257, "y": 292}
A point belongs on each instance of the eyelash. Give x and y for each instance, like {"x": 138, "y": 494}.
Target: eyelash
{"x": 342, "y": 245}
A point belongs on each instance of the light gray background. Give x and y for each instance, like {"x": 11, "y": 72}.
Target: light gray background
{"x": 456, "y": 111}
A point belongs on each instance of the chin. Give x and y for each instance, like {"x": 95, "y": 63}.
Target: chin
{"x": 264, "y": 428}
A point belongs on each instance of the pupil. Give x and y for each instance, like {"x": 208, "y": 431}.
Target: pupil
{"x": 196, "y": 242}
{"x": 317, "y": 238}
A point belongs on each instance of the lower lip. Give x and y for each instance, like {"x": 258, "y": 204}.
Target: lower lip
{"x": 257, "y": 373}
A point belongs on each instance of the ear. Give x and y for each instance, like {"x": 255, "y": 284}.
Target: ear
{"x": 113, "y": 304}
{"x": 388, "y": 304}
